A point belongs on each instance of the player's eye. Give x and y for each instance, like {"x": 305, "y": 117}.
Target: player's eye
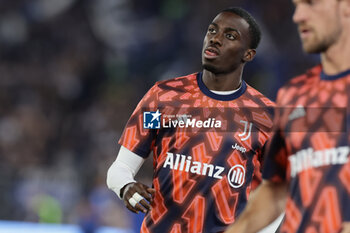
{"x": 311, "y": 2}
{"x": 230, "y": 36}
{"x": 211, "y": 30}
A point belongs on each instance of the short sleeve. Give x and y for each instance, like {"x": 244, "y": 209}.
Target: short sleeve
{"x": 135, "y": 137}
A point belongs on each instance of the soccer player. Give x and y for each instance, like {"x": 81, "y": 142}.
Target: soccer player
{"x": 307, "y": 167}
{"x": 206, "y": 131}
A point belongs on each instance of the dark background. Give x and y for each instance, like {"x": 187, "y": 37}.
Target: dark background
{"x": 71, "y": 73}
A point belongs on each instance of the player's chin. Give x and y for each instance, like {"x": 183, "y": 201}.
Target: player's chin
{"x": 210, "y": 67}
{"x": 314, "y": 47}
{"x": 311, "y": 49}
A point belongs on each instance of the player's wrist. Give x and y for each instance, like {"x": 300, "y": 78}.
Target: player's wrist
{"x": 124, "y": 189}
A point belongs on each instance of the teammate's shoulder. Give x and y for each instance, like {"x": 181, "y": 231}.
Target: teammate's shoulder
{"x": 257, "y": 95}
{"x": 177, "y": 81}
{"x": 310, "y": 75}
{"x": 288, "y": 91}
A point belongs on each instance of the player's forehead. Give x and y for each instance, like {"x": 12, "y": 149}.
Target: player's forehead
{"x": 230, "y": 20}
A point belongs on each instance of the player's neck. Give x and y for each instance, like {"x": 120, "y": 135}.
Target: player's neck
{"x": 222, "y": 82}
{"x": 336, "y": 59}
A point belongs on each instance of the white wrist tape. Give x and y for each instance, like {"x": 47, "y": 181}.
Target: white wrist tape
{"x": 123, "y": 170}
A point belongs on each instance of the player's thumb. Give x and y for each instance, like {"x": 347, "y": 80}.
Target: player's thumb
{"x": 151, "y": 190}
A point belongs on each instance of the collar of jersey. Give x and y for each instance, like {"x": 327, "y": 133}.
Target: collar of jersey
{"x": 334, "y": 77}
{"x": 207, "y": 92}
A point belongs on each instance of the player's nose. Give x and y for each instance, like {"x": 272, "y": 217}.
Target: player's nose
{"x": 216, "y": 39}
{"x": 300, "y": 14}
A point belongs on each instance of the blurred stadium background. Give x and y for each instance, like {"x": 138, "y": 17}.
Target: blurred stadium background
{"x": 71, "y": 73}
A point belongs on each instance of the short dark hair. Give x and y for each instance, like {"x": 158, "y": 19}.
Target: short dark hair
{"x": 254, "y": 29}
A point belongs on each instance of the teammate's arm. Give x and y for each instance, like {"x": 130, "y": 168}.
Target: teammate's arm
{"x": 264, "y": 206}
{"x": 345, "y": 227}
{"x": 120, "y": 179}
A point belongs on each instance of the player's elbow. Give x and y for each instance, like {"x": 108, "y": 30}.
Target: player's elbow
{"x": 109, "y": 176}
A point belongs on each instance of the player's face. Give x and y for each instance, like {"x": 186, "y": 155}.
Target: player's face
{"x": 226, "y": 43}
{"x": 318, "y": 23}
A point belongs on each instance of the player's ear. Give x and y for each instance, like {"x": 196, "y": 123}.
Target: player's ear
{"x": 249, "y": 55}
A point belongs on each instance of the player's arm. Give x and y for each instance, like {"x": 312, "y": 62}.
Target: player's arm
{"x": 264, "y": 206}
{"x": 345, "y": 227}
{"x": 120, "y": 179}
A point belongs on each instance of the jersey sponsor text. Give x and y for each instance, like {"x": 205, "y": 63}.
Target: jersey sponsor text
{"x": 308, "y": 158}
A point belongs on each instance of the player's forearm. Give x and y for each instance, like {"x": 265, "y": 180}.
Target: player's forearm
{"x": 123, "y": 170}
{"x": 118, "y": 176}
{"x": 264, "y": 206}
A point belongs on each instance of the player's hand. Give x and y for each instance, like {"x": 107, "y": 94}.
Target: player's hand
{"x": 345, "y": 227}
{"x": 137, "y": 197}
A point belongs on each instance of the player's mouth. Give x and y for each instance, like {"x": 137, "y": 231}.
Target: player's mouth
{"x": 304, "y": 33}
{"x": 211, "y": 52}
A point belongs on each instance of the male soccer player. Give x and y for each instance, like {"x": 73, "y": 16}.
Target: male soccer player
{"x": 307, "y": 168}
{"x": 206, "y": 131}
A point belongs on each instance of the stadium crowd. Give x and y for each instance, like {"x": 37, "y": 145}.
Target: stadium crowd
{"x": 72, "y": 71}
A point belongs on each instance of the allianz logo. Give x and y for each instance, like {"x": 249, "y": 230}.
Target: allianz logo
{"x": 235, "y": 176}
{"x": 308, "y": 158}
